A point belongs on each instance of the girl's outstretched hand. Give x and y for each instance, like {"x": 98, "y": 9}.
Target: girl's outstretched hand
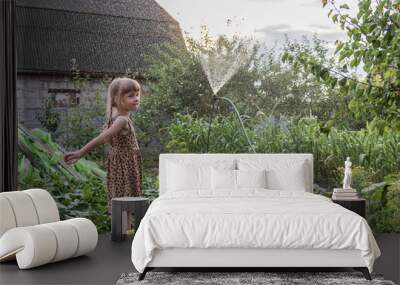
{"x": 72, "y": 157}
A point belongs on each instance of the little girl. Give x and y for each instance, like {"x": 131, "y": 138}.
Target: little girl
{"x": 124, "y": 161}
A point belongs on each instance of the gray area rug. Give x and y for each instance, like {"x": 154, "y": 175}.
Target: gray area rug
{"x": 229, "y": 278}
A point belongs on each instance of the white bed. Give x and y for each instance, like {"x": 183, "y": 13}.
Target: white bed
{"x": 282, "y": 224}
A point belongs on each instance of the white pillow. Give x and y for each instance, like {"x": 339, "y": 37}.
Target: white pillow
{"x": 223, "y": 179}
{"x": 183, "y": 177}
{"x": 281, "y": 174}
{"x": 251, "y": 178}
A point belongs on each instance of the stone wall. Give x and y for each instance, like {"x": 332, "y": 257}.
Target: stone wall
{"x": 33, "y": 89}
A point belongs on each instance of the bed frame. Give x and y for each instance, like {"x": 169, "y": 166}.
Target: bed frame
{"x": 242, "y": 259}
{"x": 246, "y": 258}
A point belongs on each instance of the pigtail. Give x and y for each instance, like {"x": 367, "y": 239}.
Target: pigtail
{"x": 109, "y": 116}
{"x": 113, "y": 90}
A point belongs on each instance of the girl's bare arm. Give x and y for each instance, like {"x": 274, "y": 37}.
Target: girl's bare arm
{"x": 119, "y": 123}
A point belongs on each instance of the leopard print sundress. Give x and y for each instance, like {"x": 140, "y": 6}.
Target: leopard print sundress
{"x": 124, "y": 165}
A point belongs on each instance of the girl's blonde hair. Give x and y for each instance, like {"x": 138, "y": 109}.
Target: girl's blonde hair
{"x": 118, "y": 87}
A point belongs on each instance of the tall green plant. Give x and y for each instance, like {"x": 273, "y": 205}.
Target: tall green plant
{"x": 190, "y": 134}
{"x": 378, "y": 153}
{"x": 47, "y": 116}
{"x": 83, "y": 122}
{"x": 384, "y": 206}
{"x": 372, "y": 44}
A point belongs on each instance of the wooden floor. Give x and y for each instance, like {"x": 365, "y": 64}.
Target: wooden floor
{"x": 110, "y": 259}
{"x": 103, "y": 266}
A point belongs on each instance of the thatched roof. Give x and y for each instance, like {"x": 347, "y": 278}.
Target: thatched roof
{"x": 104, "y": 36}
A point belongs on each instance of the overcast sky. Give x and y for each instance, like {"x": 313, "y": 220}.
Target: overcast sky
{"x": 266, "y": 20}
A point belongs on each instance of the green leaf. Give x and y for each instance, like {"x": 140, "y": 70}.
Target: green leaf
{"x": 339, "y": 46}
{"x": 333, "y": 82}
{"x": 284, "y": 56}
{"x": 324, "y": 74}
{"x": 342, "y": 82}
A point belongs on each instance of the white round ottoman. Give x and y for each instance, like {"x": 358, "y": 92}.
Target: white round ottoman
{"x": 33, "y": 243}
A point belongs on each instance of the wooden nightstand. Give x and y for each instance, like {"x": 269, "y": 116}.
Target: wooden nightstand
{"x": 123, "y": 206}
{"x": 358, "y": 205}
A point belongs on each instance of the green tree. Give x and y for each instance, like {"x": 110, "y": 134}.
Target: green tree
{"x": 178, "y": 85}
{"x": 264, "y": 85}
{"x": 373, "y": 44}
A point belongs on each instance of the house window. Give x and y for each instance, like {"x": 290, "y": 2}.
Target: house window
{"x": 65, "y": 97}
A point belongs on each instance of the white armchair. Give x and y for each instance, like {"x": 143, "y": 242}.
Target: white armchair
{"x": 31, "y": 230}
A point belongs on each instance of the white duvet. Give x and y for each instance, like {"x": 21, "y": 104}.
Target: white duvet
{"x": 252, "y": 218}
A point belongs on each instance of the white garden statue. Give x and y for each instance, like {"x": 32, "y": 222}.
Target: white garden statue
{"x": 347, "y": 174}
